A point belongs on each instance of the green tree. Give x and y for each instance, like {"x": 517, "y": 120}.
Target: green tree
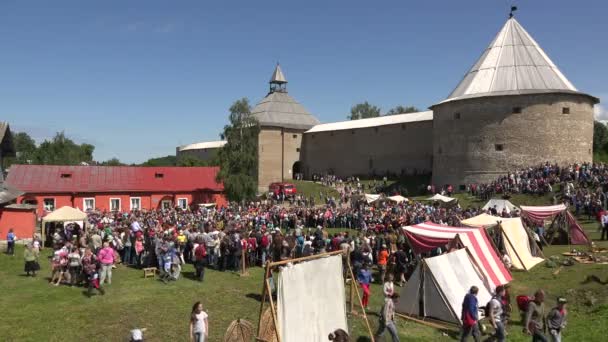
{"x": 600, "y": 137}
{"x": 112, "y": 162}
{"x": 61, "y": 150}
{"x": 363, "y": 111}
{"x": 238, "y": 159}
{"x": 25, "y": 148}
{"x": 161, "y": 161}
{"x": 402, "y": 110}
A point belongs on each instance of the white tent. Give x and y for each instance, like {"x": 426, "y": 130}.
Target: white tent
{"x": 500, "y": 204}
{"x": 63, "y": 214}
{"x": 398, "y": 199}
{"x": 515, "y": 239}
{"x": 437, "y": 287}
{"x": 441, "y": 198}
{"x": 370, "y": 198}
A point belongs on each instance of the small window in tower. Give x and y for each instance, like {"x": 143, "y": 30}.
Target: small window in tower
{"x": 66, "y": 175}
{"x": 352, "y": 131}
{"x": 295, "y": 136}
{"x": 516, "y": 110}
{"x": 376, "y": 129}
{"x": 312, "y": 135}
{"x": 456, "y": 116}
{"x": 298, "y": 149}
{"x": 403, "y": 127}
{"x": 159, "y": 175}
{"x": 565, "y": 110}
{"x": 439, "y": 150}
{"x": 499, "y": 147}
{"x": 331, "y": 134}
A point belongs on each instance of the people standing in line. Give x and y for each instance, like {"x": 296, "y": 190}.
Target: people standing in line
{"x": 496, "y": 314}
{"x": 387, "y": 318}
{"x": 535, "y": 318}
{"x": 556, "y": 320}
{"x": 74, "y": 266}
{"x": 90, "y": 269}
{"x": 105, "y": 256}
{"x": 31, "y": 254}
{"x": 470, "y": 316}
{"x": 364, "y": 278}
{"x": 199, "y": 324}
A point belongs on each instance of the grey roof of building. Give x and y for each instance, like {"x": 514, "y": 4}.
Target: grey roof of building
{"x": 512, "y": 64}
{"x": 278, "y": 109}
{"x": 9, "y": 194}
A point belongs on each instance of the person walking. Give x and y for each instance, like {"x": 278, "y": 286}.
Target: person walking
{"x": 387, "y": 318}
{"x": 105, "y": 256}
{"x": 199, "y": 325}
{"x": 470, "y": 316}
{"x": 30, "y": 255}
{"x": 556, "y": 320}
{"x": 200, "y": 256}
{"x": 535, "y": 318}
{"x": 364, "y": 278}
{"x": 10, "y": 242}
{"x": 496, "y": 314}
{"x": 382, "y": 262}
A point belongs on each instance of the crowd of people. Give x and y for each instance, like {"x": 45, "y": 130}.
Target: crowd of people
{"x": 251, "y": 234}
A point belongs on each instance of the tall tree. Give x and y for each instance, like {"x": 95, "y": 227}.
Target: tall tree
{"x": 61, "y": 150}
{"x": 600, "y": 137}
{"x": 112, "y": 162}
{"x": 238, "y": 159}
{"x": 363, "y": 111}
{"x": 25, "y": 148}
{"x": 402, "y": 110}
{"x": 161, "y": 161}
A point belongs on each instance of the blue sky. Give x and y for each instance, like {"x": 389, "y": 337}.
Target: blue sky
{"x": 138, "y": 78}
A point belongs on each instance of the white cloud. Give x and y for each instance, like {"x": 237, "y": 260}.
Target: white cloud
{"x": 600, "y": 112}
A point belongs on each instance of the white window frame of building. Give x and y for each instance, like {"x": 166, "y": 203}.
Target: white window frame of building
{"x": 138, "y": 207}
{"x": 48, "y": 207}
{"x": 183, "y": 200}
{"x": 166, "y": 204}
{"x": 119, "y": 204}
{"x": 84, "y": 203}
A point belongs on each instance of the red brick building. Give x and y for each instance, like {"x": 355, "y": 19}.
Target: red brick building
{"x": 120, "y": 188}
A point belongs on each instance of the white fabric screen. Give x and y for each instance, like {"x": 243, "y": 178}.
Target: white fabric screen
{"x": 311, "y": 300}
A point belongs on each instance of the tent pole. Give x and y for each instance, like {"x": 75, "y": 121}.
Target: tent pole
{"x": 316, "y": 256}
{"x": 426, "y": 322}
{"x": 274, "y": 314}
{"x": 352, "y": 288}
{"x": 263, "y": 301}
{"x": 513, "y": 248}
{"x": 369, "y": 328}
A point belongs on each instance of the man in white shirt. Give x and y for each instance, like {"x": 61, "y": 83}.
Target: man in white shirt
{"x": 496, "y": 314}
{"x": 605, "y": 224}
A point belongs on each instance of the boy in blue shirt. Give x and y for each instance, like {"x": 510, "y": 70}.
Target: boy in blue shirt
{"x": 10, "y": 242}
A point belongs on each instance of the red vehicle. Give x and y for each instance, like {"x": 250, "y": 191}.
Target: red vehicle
{"x": 288, "y": 189}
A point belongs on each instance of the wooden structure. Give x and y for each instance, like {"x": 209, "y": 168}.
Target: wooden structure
{"x": 267, "y": 296}
{"x": 150, "y": 272}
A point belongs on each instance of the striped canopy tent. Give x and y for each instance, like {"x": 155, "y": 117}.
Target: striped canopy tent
{"x": 428, "y": 236}
{"x": 563, "y": 225}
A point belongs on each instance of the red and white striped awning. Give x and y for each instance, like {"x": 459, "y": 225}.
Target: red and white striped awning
{"x": 427, "y": 236}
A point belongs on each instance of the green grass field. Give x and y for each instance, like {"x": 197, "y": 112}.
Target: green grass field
{"x": 32, "y": 310}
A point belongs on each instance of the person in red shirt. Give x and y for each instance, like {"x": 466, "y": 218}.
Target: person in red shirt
{"x": 200, "y": 255}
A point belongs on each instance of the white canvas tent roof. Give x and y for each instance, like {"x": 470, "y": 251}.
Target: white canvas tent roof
{"x": 441, "y": 198}
{"x": 500, "y": 204}
{"x": 370, "y": 198}
{"x": 515, "y": 237}
{"x": 398, "y": 199}
{"x": 65, "y": 214}
{"x": 440, "y": 284}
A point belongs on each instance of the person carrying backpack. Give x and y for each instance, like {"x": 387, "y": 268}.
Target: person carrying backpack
{"x": 200, "y": 254}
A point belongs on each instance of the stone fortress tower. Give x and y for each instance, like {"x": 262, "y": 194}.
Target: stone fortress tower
{"x": 513, "y": 109}
{"x": 282, "y": 121}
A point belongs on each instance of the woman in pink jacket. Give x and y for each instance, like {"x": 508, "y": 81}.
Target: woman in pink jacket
{"x": 105, "y": 256}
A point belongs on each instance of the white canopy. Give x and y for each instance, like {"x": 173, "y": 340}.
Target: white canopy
{"x": 500, "y": 204}
{"x": 370, "y": 198}
{"x": 441, "y": 198}
{"x": 65, "y": 214}
{"x": 398, "y": 199}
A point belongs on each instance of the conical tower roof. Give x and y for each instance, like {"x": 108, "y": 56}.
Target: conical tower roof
{"x": 279, "y": 109}
{"x": 512, "y": 64}
{"x": 277, "y": 75}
